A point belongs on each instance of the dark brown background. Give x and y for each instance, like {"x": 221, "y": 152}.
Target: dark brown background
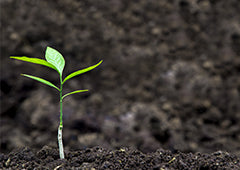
{"x": 170, "y": 77}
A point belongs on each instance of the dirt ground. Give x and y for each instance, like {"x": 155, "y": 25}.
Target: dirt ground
{"x": 99, "y": 158}
{"x": 169, "y": 86}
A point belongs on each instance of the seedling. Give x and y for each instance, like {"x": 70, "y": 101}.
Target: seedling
{"x": 56, "y": 61}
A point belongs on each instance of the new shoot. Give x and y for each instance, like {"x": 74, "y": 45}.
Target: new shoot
{"x": 56, "y": 61}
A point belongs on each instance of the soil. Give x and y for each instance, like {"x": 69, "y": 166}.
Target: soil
{"x": 166, "y": 96}
{"x": 124, "y": 158}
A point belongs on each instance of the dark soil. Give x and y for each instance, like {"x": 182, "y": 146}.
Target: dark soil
{"x": 99, "y": 158}
{"x": 170, "y": 81}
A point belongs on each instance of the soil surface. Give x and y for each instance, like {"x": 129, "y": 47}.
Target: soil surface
{"x": 170, "y": 80}
{"x": 124, "y": 158}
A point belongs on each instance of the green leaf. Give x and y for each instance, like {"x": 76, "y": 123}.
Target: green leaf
{"x": 35, "y": 61}
{"x": 41, "y": 80}
{"x": 74, "y": 92}
{"x": 55, "y": 58}
{"x": 76, "y": 73}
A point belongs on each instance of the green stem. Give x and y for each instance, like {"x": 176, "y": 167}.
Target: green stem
{"x": 61, "y": 113}
{"x": 60, "y": 142}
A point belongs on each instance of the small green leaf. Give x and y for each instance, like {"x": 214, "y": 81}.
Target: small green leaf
{"x": 35, "y": 61}
{"x": 41, "y": 80}
{"x": 55, "y": 58}
{"x": 74, "y": 92}
{"x": 76, "y": 73}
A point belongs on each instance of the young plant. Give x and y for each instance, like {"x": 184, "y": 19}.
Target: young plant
{"x": 56, "y": 61}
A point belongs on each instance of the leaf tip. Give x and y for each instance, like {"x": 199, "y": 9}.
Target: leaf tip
{"x": 48, "y": 47}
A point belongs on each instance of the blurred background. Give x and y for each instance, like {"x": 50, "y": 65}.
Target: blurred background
{"x": 170, "y": 77}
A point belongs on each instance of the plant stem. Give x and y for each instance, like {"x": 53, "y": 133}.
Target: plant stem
{"x": 60, "y": 142}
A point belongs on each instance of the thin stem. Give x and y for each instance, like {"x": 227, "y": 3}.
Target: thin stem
{"x": 61, "y": 114}
{"x": 60, "y": 142}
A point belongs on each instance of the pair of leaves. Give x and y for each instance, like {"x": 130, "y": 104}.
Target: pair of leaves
{"x": 52, "y": 85}
{"x": 54, "y": 60}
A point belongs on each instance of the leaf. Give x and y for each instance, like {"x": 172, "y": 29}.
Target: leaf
{"x": 74, "y": 92}
{"x": 76, "y": 73}
{"x": 41, "y": 80}
{"x": 55, "y": 58}
{"x": 35, "y": 61}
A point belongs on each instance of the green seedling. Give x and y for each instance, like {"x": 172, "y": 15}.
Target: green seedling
{"x": 56, "y": 61}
